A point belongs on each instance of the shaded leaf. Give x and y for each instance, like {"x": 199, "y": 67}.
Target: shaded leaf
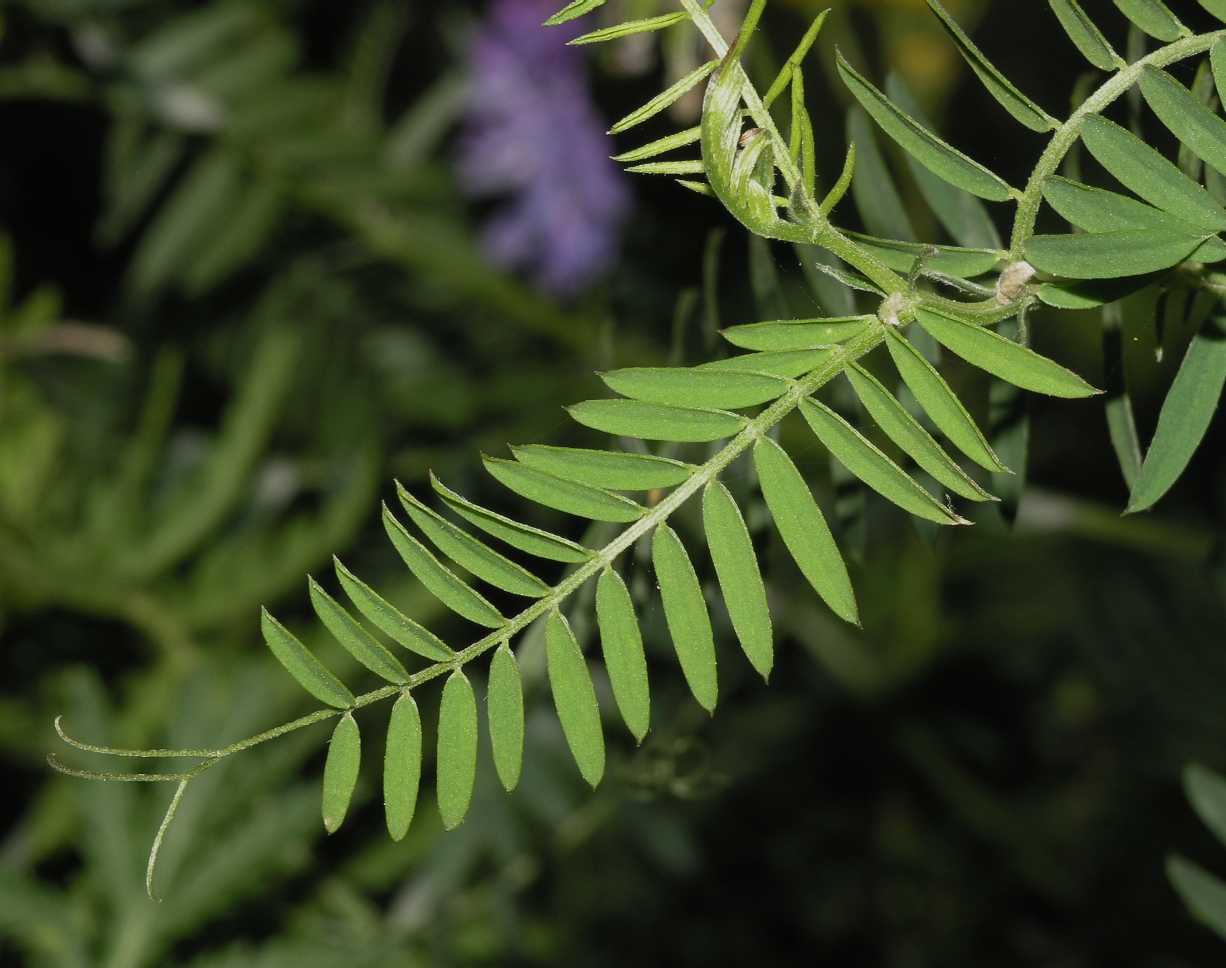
{"x": 1189, "y": 120}
{"x": 1085, "y": 35}
{"x": 1202, "y": 892}
{"x": 791, "y": 364}
{"x": 1153, "y": 17}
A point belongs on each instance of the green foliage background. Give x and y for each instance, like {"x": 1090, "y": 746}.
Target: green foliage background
{"x": 234, "y": 309}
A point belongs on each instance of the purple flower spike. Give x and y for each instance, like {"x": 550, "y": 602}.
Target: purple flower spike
{"x": 533, "y": 134}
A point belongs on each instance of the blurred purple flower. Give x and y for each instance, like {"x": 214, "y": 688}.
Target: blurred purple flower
{"x": 534, "y": 135}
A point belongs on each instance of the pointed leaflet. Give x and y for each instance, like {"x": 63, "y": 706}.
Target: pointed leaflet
{"x": 1143, "y": 170}
{"x": 1202, "y": 892}
{"x": 439, "y": 580}
{"x": 457, "y": 749}
{"x": 909, "y": 436}
{"x": 665, "y": 99}
{"x": 401, "y": 766}
{"x": 1085, "y": 35}
{"x": 1215, "y": 7}
{"x": 307, "y": 670}
{"x": 671, "y": 168}
{"x": 357, "y": 641}
{"x": 572, "y": 11}
{"x": 614, "y": 470}
{"x": 505, "y": 707}
{"x": 532, "y": 541}
{"x": 939, "y": 402}
{"x": 470, "y": 554}
{"x": 692, "y": 387}
{"x": 341, "y": 771}
{"x": 1011, "y": 362}
{"x": 622, "y": 646}
{"x": 736, "y": 565}
{"x": 795, "y": 59}
{"x": 999, "y": 86}
{"x": 660, "y": 146}
{"x": 1188, "y": 119}
{"x": 803, "y": 528}
{"x": 867, "y": 463}
{"x": 1111, "y": 255}
{"x": 1186, "y": 413}
{"x": 631, "y": 27}
{"x": 689, "y": 626}
{"x": 933, "y": 153}
{"x": 1153, "y": 17}
{"x": 390, "y": 620}
{"x": 574, "y": 698}
{"x": 795, "y": 334}
{"x": 649, "y": 421}
{"x": 948, "y": 259}
{"x": 877, "y": 200}
{"x": 561, "y": 495}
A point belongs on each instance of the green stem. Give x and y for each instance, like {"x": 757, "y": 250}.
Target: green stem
{"x": 1064, "y": 138}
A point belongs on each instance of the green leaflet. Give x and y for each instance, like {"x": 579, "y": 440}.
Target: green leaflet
{"x": 1186, "y": 414}
{"x": 438, "y": 579}
{"x": 457, "y": 749}
{"x": 1097, "y": 210}
{"x": 574, "y": 698}
{"x": 948, "y": 259}
{"x": 689, "y": 626}
{"x": 867, "y": 463}
{"x": 631, "y": 27}
{"x": 803, "y": 528}
{"x": 1111, "y": 255}
{"x": 740, "y": 580}
{"x": 795, "y": 59}
{"x": 341, "y": 771}
{"x": 504, "y": 700}
{"x": 940, "y": 403}
{"x": 1091, "y": 293}
{"x": 1003, "y": 358}
{"x": 1188, "y": 119}
{"x": 691, "y": 387}
{"x": 786, "y": 364}
{"x": 999, "y": 86}
{"x": 910, "y": 437}
{"x": 622, "y": 646}
{"x": 470, "y": 554}
{"x": 401, "y": 766}
{"x": 933, "y": 153}
{"x": 1202, "y": 892}
{"x": 787, "y": 335}
{"x": 1153, "y": 17}
{"x": 660, "y": 146}
{"x": 665, "y": 99}
{"x": 614, "y": 470}
{"x": 526, "y": 538}
{"x": 561, "y": 495}
{"x": 390, "y": 620}
{"x": 1215, "y": 7}
{"x": 572, "y": 11}
{"x": 1206, "y": 791}
{"x": 1143, "y": 170}
{"x": 672, "y": 168}
{"x": 648, "y": 421}
{"x": 356, "y": 640}
{"x": 307, "y": 670}
{"x": 1085, "y": 35}
{"x": 1217, "y": 61}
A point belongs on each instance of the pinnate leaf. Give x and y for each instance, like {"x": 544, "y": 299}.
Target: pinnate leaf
{"x": 1153, "y": 17}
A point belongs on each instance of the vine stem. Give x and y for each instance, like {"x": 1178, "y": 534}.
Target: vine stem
{"x": 1064, "y": 138}
{"x": 840, "y": 358}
